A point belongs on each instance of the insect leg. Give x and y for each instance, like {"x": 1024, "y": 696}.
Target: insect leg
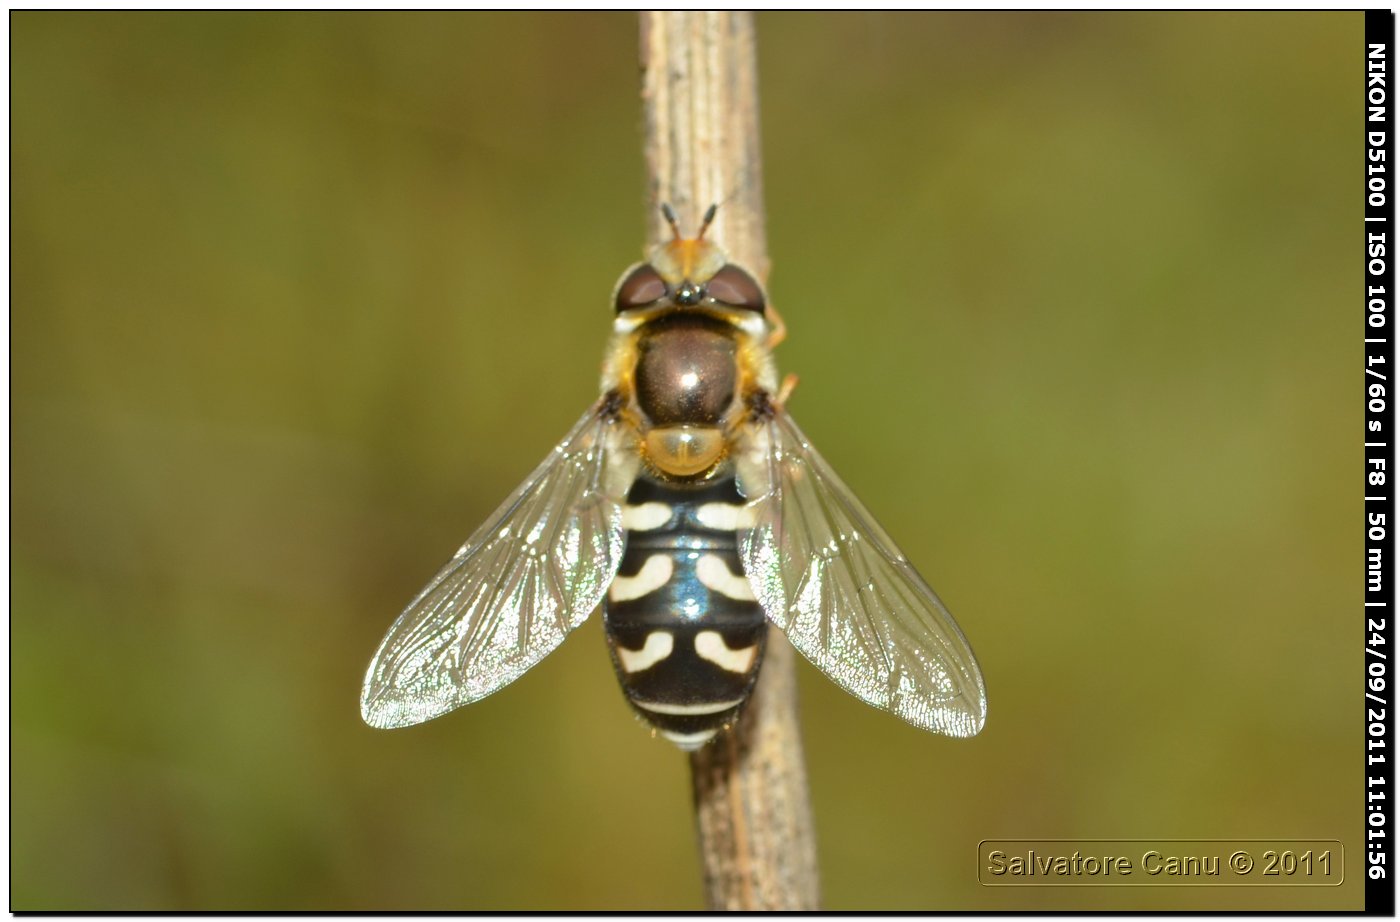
{"x": 779, "y": 331}
{"x": 785, "y": 390}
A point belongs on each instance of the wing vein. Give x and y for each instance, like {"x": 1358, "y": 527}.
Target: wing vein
{"x": 549, "y": 551}
{"x": 827, "y": 574}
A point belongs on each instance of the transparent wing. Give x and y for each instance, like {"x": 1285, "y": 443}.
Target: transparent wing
{"x": 828, "y": 575}
{"x": 528, "y": 576}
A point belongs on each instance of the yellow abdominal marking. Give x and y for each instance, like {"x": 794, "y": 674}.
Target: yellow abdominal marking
{"x": 687, "y": 710}
{"x": 714, "y": 574}
{"x": 654, "y": 574}
{"x": 646, "y": 517}
{"x": 689, "y": 742}
{"x": 724, "y": 516}
{"x": 711, "y": 646}
{"x": 657, "y": 647}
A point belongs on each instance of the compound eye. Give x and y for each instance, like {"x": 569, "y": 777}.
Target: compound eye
{"x": 736, "y": 288}
{"x": 642, "y": 286}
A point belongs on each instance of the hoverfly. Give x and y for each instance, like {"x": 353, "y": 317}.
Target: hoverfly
{"x": 690, "y": 504}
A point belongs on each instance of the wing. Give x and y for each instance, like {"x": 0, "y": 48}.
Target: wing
{"x": 528, "y": 576}
{"x": 828, "y": 575}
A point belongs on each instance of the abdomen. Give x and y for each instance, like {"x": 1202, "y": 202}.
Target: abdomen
{"x": 685, "y": 633}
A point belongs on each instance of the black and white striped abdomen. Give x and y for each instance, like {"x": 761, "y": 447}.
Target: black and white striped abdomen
{"x": 685, "y": 633}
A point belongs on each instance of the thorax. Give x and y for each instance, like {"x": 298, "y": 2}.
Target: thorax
{"x": 685, "y": 377}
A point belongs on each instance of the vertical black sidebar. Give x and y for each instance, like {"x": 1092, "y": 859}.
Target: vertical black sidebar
{"x": 1379, "y": 314}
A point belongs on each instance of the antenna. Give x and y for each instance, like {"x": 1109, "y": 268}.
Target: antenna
{"x": 705, "y": 221}
{"x": 669, "y": 214}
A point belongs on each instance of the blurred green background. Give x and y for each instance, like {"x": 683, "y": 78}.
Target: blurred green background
{"x": 298, "y": 299}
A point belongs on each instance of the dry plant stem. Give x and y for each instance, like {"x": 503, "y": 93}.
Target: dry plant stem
{"x": 700, "y": 94}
